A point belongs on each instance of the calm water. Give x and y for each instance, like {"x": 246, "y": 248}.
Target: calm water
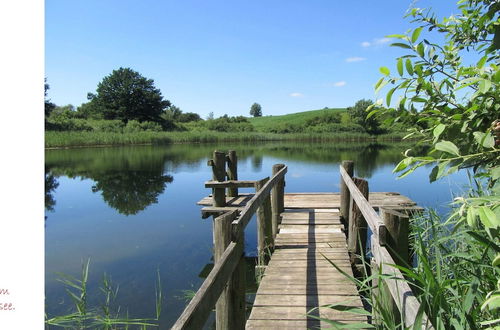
{"x": 132, "y": 210}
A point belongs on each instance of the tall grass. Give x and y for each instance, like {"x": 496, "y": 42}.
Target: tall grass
{"x": 452, "y": 277}
{"x": 55, "y": 139}
{"x": 102, "y": 317}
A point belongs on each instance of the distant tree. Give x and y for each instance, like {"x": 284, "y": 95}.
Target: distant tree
{"x": 359, "y": 115}
{"x": 256, "y": 110}
{"x": 210, "y": 115}
{"x": 49, "y": 106}
{"x": 126, "y": 95}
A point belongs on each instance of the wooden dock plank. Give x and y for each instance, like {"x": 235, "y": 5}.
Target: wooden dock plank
{"x": 298, "y": 279}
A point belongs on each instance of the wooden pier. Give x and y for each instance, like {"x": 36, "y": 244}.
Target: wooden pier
{"x": 300, "y": 236}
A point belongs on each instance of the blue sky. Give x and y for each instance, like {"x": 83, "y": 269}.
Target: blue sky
{"x": 220, "y": 56}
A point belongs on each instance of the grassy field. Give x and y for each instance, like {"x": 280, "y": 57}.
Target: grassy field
{"x": 263, "y": 124}
{"x": 262, "y": 131}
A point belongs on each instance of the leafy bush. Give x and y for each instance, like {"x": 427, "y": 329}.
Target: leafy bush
{"x": 230, "y": 124}
{"x": 60, "y": 123}
{"x": 115, "y": 126}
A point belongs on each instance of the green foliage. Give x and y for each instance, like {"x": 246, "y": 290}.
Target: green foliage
{"x": 126, "y": 95}
{"x": 49, "y": 106}
{"x": 256, "y": 110}
{"x": 360, "y": 117}
{"x": 456, "y": 106}
{"x": 230, "y": 124}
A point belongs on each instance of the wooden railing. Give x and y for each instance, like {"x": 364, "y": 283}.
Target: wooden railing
{"x": 389, "y": 243}
{"x": 224, "y": 287}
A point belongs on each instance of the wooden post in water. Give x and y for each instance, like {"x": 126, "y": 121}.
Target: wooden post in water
{"x": 222, "y": 238}
{"x": 232, "y": 172}
{"x": 345, "y": 196}
{"x": 264, "y": 225}
{"x": 277, "y": 200}
{"x": 238, "y": 289}
{"x": 218, "y": 174}
{"x": 358, "y": 227}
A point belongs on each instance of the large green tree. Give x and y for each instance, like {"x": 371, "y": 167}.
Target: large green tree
{"x": 126, "y": 95}
{"x": 359, "y": 116}
{"x": 49, "y": 106}
{"x": 256, "y": 110}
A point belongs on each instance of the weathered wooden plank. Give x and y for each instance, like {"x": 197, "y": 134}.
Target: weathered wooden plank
{"x": 230, "y": 184}
{"x": 291, "y": 324}
{"x": 232, "y": 172}
{"x": 298, "y": 313}
{"x": 298, "y": 244}
{"x": 306, "y": 300}
{"x": 345, "y": 195}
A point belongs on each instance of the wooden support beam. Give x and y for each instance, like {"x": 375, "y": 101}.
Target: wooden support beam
{"x": 345, "y": 195}
{"x": 232, "y": 172}
{"x": 264, "y": 225}
{"x": 397, "y": 240}
{"x": 222, "y": 238}
{"x": 277, "y": 200}
{"x": 219, "y": 174}
{"x": 230, "y": 184}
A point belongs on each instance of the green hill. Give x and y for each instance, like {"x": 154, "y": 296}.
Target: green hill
{"x": 299, "y": 119}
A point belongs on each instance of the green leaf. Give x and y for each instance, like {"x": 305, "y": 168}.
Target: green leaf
{"x": 496, "y": 261}
{"x": 381, "y": 85}
{"x": 495, "y": 173}
{"x": 399, "y": 44}
{"x": 484, "y": 139}
{"x": 389, "y": 96}
{"x": 448, "y": 147}
{"x": 400, "y": 66}
{"x": 438, "y": 130}
{"x": 416, "y": 34}
{"x": 484, "y": 85}
{"x": 471, "y": 216}
{"x": 481, "y": 62}
{"x": 488, "y": 217}
{"x": 420, "y": 49}
{"x": 349, "y": 309}
{"x": 492, "y": 302}
{"x": 385, "y": 70}
{"x": 398, "y": 36}
{"x": 409, "y": 67}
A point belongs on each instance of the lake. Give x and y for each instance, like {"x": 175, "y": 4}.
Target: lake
{"x": 132, "y": 210}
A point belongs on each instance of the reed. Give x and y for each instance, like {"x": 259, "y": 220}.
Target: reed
{"x": 102, "y": 317}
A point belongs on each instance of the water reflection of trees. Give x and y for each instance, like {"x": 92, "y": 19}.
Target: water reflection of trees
{"x": 132, "y": 178}
{"x": 50, "y": 186}
{"x": 130, "y": 192}
{"x": 129, "y": 179}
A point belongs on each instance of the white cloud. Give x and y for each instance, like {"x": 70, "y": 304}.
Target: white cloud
{"x": 296, "y": 94}
{"x": 339, "y": 83}
{"x": 355, "y": 59}
{"x": 375, "y": 42}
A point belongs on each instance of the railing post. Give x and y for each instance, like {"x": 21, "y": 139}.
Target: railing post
{"x": 358, "y": 227}
{"x": 397, "y": 238}
{"x": 238, "y": 289}
{"x": 232, "y": 172}
{"x": 277, "y": 200}
{"x": 218, "y": 164}
{"x": 345, "y": 196}
{"x": 222, "y": 238}
{"x": 264, "y": 226}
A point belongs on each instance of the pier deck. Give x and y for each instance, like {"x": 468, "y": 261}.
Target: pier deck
{"x": 299, "y": 278}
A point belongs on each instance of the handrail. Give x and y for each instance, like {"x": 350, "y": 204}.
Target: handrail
{"x": 254, "y": 203}
{"x": 399, "y": 289}
{"x": 199, "y": 308}
{"x": 196, "y": 313}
